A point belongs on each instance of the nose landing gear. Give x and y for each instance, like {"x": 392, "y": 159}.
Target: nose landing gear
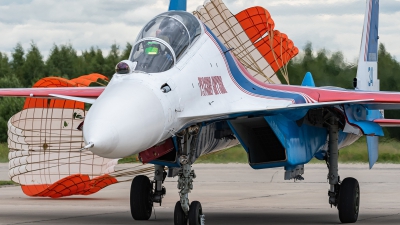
{"x": 144, "y": 192}
{"x": 183, "y": 211}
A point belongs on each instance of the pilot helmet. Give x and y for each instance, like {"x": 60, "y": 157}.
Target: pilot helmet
{"x": 171, "y": 28}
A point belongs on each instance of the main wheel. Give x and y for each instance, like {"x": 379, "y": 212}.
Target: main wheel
{"x": 349, "y": 200}
{"x": 179, "y": 216}
{"x": 195, "y": 213}
{"x": 141, "y": 198}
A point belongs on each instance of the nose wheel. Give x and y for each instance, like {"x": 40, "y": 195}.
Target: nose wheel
{"x": 180, "y": 218}
{"x": 195, "y": 215}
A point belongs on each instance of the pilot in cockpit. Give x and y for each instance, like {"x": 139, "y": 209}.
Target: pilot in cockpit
{"x": 172, "y": 30}
{"x": 157, "y": 56}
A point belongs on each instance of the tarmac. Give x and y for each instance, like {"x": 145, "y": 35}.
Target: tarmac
{"x": 229, "y": 193}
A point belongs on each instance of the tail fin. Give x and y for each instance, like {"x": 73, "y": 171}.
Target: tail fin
{"x": 308, "y": 80}
{"x": 367, "y": 72}
{"x": 177, "y": 5}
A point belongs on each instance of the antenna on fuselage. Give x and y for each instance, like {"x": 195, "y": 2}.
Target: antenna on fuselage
{"x": 177, "y": 5}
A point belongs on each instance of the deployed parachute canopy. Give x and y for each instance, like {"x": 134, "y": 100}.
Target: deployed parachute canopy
{"x": 261, "y": 49}
{"x": 45, "y": 140}
{"x": 44, "y": 143}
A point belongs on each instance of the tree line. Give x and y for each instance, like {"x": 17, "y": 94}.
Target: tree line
{"x": 25, "y": 67}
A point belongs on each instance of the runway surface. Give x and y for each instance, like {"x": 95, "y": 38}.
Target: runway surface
{"x": 230, "y": 194}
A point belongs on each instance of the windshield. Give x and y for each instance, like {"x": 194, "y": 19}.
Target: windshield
{"x": 178, "y": 29}
{"x": 152, "y": 56}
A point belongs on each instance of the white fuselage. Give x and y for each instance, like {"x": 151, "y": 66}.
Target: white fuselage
{"x": 133, "y": 114}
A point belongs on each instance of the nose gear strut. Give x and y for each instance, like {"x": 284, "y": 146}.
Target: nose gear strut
{"x": 185, "y": 185}
{"x": 184, "y": 211}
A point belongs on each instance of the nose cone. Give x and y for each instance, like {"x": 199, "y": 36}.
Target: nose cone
{"x": 126, "y": 119}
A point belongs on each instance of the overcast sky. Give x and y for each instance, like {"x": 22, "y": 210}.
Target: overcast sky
{"x": 332, "y": 24}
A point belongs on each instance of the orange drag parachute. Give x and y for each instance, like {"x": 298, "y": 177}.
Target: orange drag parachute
{"x": 44, "y": 144}
{"x": 251, "y": 36}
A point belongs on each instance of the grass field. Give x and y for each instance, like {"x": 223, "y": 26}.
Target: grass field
{"x": 389, "y": 152}
{"x": 3, "y": 152}
{"x": 7, "y": 182}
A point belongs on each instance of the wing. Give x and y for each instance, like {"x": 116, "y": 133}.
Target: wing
{"x": 379, "y": 99}
{"x": 59, "y": 88}
{"x": 316, "y": 98}
{"x": 81, "y": 92}
{"x": 259, "y": 111}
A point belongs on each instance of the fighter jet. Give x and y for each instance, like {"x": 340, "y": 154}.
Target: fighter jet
{"x": 196, "y": 83}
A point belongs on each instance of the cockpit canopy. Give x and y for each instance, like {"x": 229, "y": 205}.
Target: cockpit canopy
{"x": 164, "y": 40}
{"x": 152, "y": 56}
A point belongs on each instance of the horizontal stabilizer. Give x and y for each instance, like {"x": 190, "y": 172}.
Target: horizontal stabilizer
{"x": 388, "y": 122}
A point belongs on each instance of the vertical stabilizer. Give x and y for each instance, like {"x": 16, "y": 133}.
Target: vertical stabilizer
{"x": 367, "y": 72}
{"x": 308, "y": 80}
{"x": 177, "y": 5}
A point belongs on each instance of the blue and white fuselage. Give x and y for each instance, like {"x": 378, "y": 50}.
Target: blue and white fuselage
{"x": 206, "y": 85}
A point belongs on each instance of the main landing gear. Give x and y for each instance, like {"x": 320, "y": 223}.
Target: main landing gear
{"x": 144, "y": 193}
{"x": 344, "y": 195}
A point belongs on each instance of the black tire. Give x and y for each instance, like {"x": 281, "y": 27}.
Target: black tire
{"x": 349, "y": 200}
{"x": 179, "y": 216}
{"x": 195, "y": 213}
{"x": 141, "y": 198}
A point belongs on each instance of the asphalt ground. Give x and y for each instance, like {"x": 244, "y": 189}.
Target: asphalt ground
{"x": 229, "y": 193}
